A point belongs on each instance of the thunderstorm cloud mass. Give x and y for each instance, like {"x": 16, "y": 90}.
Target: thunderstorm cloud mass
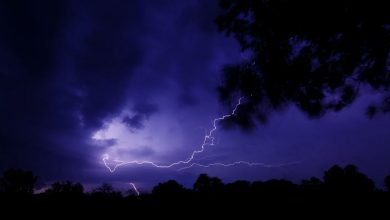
{"x": 81, "y": 81}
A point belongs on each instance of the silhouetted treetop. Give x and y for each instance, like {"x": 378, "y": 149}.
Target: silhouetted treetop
{"x": 317, "y": 55}
{"x": 66, "y": 188}
{"x": 342, "y": 189}
{"x": 16, "y": 181}
{"x": 387, "y": 183}
{"x": 210, "y": 186}
{"x": 169, "y": 189}
{"x": 347, "y": 180}
{"x": 106, "y": 190}
{"x": 238, "y": 188}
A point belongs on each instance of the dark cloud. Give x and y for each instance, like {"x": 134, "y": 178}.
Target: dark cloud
{"x": 188, "y": 100}
{"x": 142, "y": 112}
{"x": 189, "y": 17}
{"x": 136, "y": 122}
{"x": 145, "y": 109}
{"x": 67, "y": 67}
{"x": 29, "y": 31}
{"x": 105, "y": 56}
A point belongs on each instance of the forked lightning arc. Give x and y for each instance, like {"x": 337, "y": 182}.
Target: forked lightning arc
{"x": 208, "y": 140}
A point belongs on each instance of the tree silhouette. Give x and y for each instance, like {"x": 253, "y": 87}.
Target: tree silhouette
{"x": 17, "y": 181}
{"x": 206, "y": 186}
{"x": 314, "y": 184}
{"x": 66, "y": 188}
{"x": 317, "y": 55}
{"x": 342, "y": 190}
{"x": 170, "y": 189}
{"x": 238, "y": 189}
{"x": 347, "y": 180}
{"x": 106, "y": 191}
{"x": 278, "y": 187}
{"x": 387, "y": 183}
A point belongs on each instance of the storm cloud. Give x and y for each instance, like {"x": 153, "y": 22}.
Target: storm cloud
{"x": 137, "y": 80}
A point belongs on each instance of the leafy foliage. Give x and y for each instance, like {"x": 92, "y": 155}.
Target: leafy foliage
{"x": 317, "y": 55}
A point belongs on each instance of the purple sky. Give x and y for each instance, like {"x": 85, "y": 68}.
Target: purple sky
{"x": 137, "y": 80}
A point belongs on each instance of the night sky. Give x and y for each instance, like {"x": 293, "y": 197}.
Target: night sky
{"x": 137, "y": 80}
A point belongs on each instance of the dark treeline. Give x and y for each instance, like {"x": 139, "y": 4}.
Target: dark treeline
{"x": 340, "y": 189}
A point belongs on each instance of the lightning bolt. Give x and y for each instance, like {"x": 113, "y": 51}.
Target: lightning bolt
{"x": 208, "y": 140}
{"x": 134, "y": 188}
{"x": 238, "y": 163}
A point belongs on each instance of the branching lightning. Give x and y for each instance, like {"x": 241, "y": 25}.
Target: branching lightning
{"x": 208, "y": 140}
{"x": 134, "y": 188}
{"x": 238, "y": 163}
